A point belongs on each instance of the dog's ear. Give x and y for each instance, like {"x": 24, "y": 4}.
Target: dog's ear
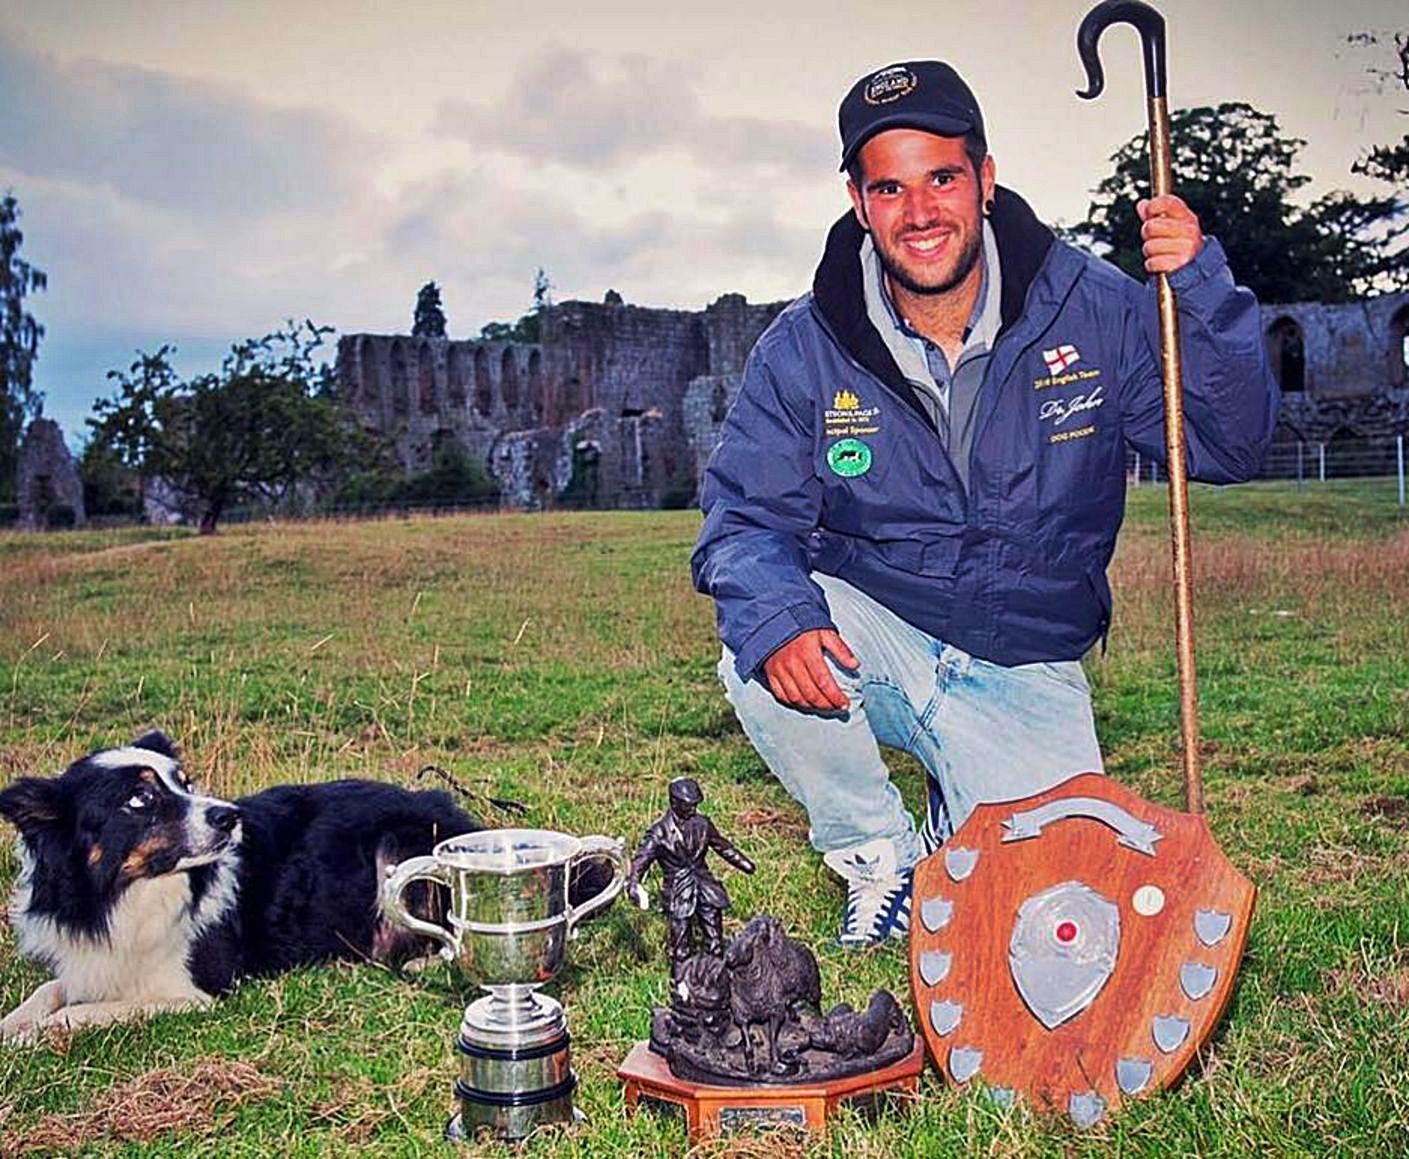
{"x": 157, "y": 741}
{"x": 32, "y": 804}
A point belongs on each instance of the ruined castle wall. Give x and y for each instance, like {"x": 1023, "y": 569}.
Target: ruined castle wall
{"x": 48, "y": 482}
{"x": 1344, "y": 369}
{"x": 732, "y": 326}
{"x": 707, "y": 401}
{"x": 636, "y": 396}
{"x": 418, "y": 391}
{"x": 1351, "y": 349}
{"x": 628, "y": 359}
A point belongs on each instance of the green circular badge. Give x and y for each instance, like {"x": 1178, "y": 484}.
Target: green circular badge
{"x": 849, "y": 458}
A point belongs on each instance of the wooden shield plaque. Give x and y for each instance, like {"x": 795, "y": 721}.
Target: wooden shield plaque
{"x": 1074, "y": 949}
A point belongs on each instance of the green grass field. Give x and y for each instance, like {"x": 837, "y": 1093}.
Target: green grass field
{"x": 563, "y": 661}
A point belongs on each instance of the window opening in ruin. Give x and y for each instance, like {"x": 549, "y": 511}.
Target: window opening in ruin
{"x": 367, "y": 369}
{"x": 484, "y": 393}
{"x": 574, "y": 401}
{"x": 719, "y": 403}
{"x": 1286, "y": 351}
{"x": 43, "y": 498}
{"x": 426, "y": 380}
{"x": 536, "y": 395}
{"x": 459, "y": 377}
{"x": 400, "y": 380}
{"x": 509, "y": 380}
{"x": 1399, "y": 348}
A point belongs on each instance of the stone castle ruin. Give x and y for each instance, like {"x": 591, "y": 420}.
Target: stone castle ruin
{"x": 1344, "y": 372}
{"x": 49, "y": 491}
{"x": 620, "y": 405}
{"x": 616, "y": 406}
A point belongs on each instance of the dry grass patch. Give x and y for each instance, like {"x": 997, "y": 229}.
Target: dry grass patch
{"x": 195, "y": 1100}
{"x": 1389, "y": 989}
{"x": 788, "y": 823}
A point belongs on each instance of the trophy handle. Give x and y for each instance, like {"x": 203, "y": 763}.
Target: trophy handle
{"x": 614, "y": 850}
{"x": 417, "y": 869}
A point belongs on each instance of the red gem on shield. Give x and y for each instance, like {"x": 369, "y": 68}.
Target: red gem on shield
{"x": 1066, "y": 932}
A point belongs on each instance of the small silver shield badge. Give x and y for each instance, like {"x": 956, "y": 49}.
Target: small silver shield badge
{"x": 964, "y": 1062}
{"x": 935, "y": 912}
{"x": 934, "y": 966}
{"x": 1063, "y": 950}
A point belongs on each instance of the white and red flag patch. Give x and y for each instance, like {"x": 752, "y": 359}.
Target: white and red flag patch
{"x": 1059, "y": 358}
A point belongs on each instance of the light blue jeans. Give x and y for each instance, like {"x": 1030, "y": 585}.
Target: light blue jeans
{"x": 982, "y": 731}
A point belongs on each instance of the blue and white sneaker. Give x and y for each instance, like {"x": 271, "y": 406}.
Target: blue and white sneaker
{"x": 877, "y": 893}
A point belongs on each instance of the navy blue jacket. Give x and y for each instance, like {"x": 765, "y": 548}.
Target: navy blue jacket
{"x": 828, "y": 462}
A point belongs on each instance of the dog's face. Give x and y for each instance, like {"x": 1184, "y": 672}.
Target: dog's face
{"x": 125, "y": 813}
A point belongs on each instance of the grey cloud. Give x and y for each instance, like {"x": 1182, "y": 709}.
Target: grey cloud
{"x": 482, "y": 243}
{"x": 788, "y": 145}
{"x": 568, "y": 107}
{"x": 190, "y": 146}
{"x": 595, "y": 111}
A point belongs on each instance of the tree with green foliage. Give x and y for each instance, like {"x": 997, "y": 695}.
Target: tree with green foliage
{"x": 429, "y": 321}
{"x": 1235, "y": 169}
{"x": 262, "y": 426}
{"x": 109, "y": 487}
{"x": 1390, "y": 162}
{"x": 455, "y": 478}
{"x": 529, "y": 327}
{"x": 19, "y": 344}
{"x": 542, "y": 291}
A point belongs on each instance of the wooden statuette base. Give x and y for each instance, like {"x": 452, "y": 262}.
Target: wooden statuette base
{"x": 710, "y": 1111}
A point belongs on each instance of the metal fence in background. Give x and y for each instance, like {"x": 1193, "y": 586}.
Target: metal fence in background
{"x": 1308, "y": 463}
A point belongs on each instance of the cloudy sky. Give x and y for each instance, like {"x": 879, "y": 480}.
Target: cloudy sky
{"x": 195, "y": 171}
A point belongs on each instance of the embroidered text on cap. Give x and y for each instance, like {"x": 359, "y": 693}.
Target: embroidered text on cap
{"x": 890, "y": 84}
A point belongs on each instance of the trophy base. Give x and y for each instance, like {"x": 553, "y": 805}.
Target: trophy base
{"x": 455, "y": 1127}
{"x": 513, "y": 1079}
{"x": 709, "y": 1111}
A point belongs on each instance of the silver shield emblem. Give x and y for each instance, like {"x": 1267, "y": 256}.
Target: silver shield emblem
{"x": 1063, "y": 950}
{"x": 959, "y": 863}
{"x": 1212, "y": 926}
{"x": 935, "y": 912}
{"x": 1169, "y": 1031}
{"x": 1134, "y": 1074}
{"x": 945, "y": 1016}
{"x": 934, "y": 966}
{"x": 1196, "y": 979}
{"x": 964, "y": 1062}
{"x": 1086, "y": 1108}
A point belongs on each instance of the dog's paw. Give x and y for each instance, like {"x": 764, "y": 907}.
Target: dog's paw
{"x": 21, "y": 1027}
{"x": 414, "y": 967}
{"x": 18, "y": 1032}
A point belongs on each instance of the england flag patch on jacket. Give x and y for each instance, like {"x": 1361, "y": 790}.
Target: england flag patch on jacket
{"x": 1059, "y": 358}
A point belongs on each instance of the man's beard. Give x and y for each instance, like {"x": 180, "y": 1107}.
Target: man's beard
{"x": 963, "y": 267}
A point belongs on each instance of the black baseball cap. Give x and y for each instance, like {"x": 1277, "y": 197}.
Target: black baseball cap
{"x": 919, "y": 94}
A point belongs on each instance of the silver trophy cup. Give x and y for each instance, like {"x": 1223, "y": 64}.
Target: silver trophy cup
{"x": 509, "y": 923}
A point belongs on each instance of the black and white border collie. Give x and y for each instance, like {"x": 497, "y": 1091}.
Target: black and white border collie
{"x": 141, "y": 895}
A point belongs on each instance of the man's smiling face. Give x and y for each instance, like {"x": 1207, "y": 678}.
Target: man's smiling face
{"x": 923, "y": 204}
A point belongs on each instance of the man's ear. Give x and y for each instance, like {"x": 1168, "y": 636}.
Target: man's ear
{"x": 157, "y": 741}
{"x": 32, "y": 804}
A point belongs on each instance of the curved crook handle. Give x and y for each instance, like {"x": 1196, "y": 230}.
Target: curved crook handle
{"x": 614, "y": 850}
{"x": 1143, "y": 17}
{"x": 402, "y": 875}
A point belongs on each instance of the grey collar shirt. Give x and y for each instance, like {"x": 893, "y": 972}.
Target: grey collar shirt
{"x": 949, "y": 395}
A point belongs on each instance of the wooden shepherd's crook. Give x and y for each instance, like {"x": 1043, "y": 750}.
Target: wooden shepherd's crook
{"x": 1151, "y": 27}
